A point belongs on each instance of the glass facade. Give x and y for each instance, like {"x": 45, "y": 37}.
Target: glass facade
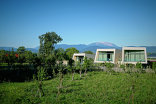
{"x": 105, "y": 56}
{"x": 134, "y": 56}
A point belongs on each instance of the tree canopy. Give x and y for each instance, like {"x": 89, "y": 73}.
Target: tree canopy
{"x": 71, "y": 51}
{"x": 47, "y": 42}
{"x": 88, "y": 52}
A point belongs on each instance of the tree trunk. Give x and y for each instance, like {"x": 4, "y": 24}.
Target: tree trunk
{"x": 85, "y": 72}
{"x": 80, "y": 73}
{"x": 73, "y": 75}
{"x": 40, "y": 90}
{"x": 54, "y": 74}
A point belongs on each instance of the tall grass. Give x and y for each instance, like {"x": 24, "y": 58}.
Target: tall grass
{"x": 95, "y": 88}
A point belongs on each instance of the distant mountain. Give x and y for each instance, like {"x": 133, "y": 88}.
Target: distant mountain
{"x": 103, "y": 44}
{"x": 15, "y": 49}
{"x": 8, "y": 48}
{"x": 90, "y": 47}
{"x": 65, "y": 46}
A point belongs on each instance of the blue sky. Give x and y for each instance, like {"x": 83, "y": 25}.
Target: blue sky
{"x": 122, "y": 22}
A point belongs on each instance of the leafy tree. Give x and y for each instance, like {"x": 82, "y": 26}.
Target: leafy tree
{"x": 47, "y": 42}
{"x": 10, "y": 58}
{"x": 2, "y": 56}
{"x": 29, "y": 56}
{"x": 41, "y": 75}
{"x": 21, "y": 50}
{"x": 87, "y": 63}
{"x": 61, "y": 56}
{"x": 71, "y": 67}
{"x": 79, "y": 67}
{"x": 71, "y": 51}
{"x": 51, "y": 62}
{"x": 37, "y": 61}
{"x": 88, "y": 52}
{"x": 21, "y": 58}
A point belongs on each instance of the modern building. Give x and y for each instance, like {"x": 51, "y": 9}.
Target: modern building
{"x": 107, "y": 55}
{"x": 133, "y": 55}
{"x": 80, "y": 56}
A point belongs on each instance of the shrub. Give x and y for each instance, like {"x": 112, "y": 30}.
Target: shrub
{"x": 138, "y": 65}
{"x": 109, "y": 67}
{"x": 122, "y": 66}
{"x": 154, "y": 66}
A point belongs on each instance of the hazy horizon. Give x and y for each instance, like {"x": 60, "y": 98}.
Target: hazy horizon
{"x": 122, "y": 22}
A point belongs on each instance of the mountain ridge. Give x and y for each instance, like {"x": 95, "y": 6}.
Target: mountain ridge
{"x": 83, "y": 47}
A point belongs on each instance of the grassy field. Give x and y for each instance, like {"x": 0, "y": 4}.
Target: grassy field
{"x": 95, "y": 88}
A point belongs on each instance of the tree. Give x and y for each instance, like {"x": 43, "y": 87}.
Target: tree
{"x": 61, "y": 56}
{"x": 71, "y": 51}
{"x": 3, "y": 56}
{"x": 47, "y": 42}
{"x": 10, "y": 58}
{"x": 51, "y": 62}
{"x": 87, "y": 64}
{"x": 70, "y": 67}
{"x": 21, "y": 50}
{"x": 88, "y": 52}
{"x": 29, "y": 56}
{"x": 79, "y": 67}
{"x": 41, "y": 75}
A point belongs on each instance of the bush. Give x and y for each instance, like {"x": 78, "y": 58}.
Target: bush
{"x": 122, "y": 66}
{"x": 109, "y": 67}
{"x": 138, "y": 66}
{"x": 154, "y": 66}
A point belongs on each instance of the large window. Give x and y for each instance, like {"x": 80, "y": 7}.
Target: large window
{"x": 80, "y": 59}
{"x": 105, "y": 56}
{"x": 134, "y": 56}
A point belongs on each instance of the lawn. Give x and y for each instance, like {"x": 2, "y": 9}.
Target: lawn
{"x": 95, "y": 88}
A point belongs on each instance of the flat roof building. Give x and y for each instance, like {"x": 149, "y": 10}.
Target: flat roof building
{"x": 80, "y": 56}
{"x": 133, "y": 55}
{"x": 107, "y": 55}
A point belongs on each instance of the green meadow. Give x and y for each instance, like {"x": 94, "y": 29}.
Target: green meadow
{"x": 95, "y": 88}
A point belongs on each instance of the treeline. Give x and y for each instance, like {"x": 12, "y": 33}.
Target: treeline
{"x": 21, "y": 65}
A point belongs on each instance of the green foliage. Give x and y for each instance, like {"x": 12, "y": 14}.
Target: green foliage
{"x": 109, "y": 66}
{"x": 154, "y": 66}
{"x": 96, "y": 88}
{"x": 122, "y": 66}
{"x": 88, "y": 52}
{"x": 41, "y": 75}
{"x": 29, "y": 56}
{"x": 51, "y": 60}
{"x": 71, "y": 51}
{"x": 2, "y": 56}
{"x": 47, "y": 42}
{"x": 138, "y": 66}
{"x": 130, "y": 66}
{"x": 78, "y": 65}
{"x": 21, "y": 58}
{"x": 21, "y": 50}
{"x": 88, "y": 63}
